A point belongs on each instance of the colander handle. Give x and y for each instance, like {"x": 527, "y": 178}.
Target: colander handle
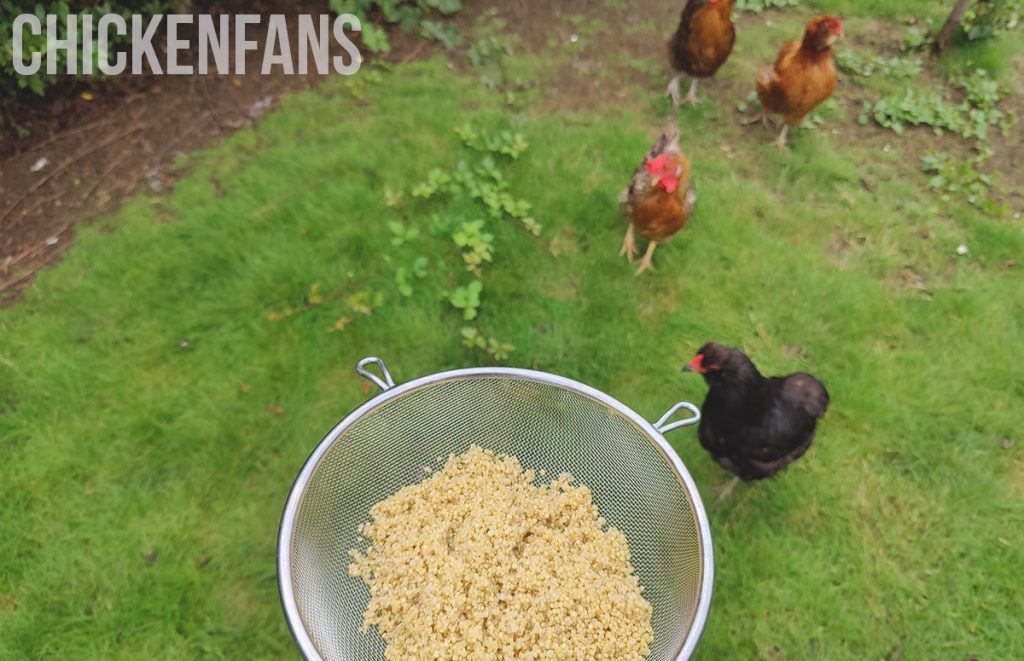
{"x": 387, "y": 383}
{"x": 662, "y": 424}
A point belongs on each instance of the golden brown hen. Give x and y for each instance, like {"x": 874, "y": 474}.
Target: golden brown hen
{"x": 659, "y": 199}
{"x": 803, "y": 75}
{"x": 701, "y": 44}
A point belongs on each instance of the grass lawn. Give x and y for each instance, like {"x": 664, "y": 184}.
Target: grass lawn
{"x": 161, "y": 387}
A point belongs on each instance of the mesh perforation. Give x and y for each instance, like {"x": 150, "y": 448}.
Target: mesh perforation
{"x": 547, "y": 427}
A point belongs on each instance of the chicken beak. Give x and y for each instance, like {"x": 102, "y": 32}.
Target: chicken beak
{"x": 696, "y": 365}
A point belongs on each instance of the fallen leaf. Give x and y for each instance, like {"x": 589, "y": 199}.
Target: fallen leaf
{"x": 87, "y": 96}
{"x": 914, "y": 280}
{"x": 277, "y": 316}
{"x": 260, "y": 106}
{"x": 563, "y": 244}
{"x": 795, "y": 352}
{"x": 275, "y": 410}
{"x": 340, "y": 325}
{"x": 315, "y": 297}
{"x": 203, "y": 561}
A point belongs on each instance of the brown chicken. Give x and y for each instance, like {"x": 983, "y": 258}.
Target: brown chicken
{"x": 659, "y": 199}
{"x": 701, "y": 44}
{"x": 803, "y": 75}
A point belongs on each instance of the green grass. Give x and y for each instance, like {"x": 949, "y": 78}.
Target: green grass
{"x": 932, "y": 11}
{"x": 143, "y": 481}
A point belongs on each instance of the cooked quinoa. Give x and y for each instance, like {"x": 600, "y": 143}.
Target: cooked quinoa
{"x": 476, "y": 561}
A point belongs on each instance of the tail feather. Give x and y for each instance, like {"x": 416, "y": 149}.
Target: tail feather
{"x": 691, "y": 201}
{"x": 624, "y": 198}
{"x": 808, "y": 393}
{"x": 668, "y": 142}
{"x": 768, "y": 88}
{"x": 765, "y": 77}
{"x": 673, "y": 143}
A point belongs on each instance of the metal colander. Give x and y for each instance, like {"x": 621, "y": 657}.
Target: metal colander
{"x": 638, "y": 483}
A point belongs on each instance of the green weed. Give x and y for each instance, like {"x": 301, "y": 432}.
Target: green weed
{"x": 864, "y": 66}
{"x": 406, "y": 14}
{"x": 970, "y": 119}
{"x": 757, "y": 6}
{"x": 962, "y": 178}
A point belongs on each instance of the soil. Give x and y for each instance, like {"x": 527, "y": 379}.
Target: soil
{"x": 86, "y": 147}
{"x": 100, "y": 150}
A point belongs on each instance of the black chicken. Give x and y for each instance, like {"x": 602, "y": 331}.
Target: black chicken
{"x": 754, "y": 426}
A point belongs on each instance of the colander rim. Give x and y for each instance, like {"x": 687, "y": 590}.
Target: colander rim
{"x": 286, "y": 532}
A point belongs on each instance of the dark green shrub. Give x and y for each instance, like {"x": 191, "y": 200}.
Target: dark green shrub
{"x": 12, "y": 83}
{"x": 407, "y": 14}
{"x": 986, "y": 18}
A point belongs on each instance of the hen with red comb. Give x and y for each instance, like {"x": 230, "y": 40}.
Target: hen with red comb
{"x": 803, "y": 75}
{"x": 659, "y": 199}
{"x": 754, "y": 426}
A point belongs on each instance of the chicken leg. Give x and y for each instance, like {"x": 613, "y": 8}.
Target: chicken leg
{"x": 691, "y": 96}
{"x": 673, "y": 91}
{"x": 759, "y": 117}
{"x": 780, "y": 142}
{"x": 647, "y": 262}
{"x": 725, "y": 492}
{"x": 629, "y": 245}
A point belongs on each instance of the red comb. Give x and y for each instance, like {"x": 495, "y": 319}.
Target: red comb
{"x": 656, "y": 165}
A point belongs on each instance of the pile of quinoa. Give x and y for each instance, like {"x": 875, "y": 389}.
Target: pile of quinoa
{"x": 476, "y": 561}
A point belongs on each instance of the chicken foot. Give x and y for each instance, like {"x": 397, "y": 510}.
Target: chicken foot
{"x": 629, "y": 245}
{"x": 648, "y": 259}
{"x": 724, "y": 492}
{"x": 780, "y": 142}
{"x": 673, "y": 91}
{"x": 759, "y": 117}
{"x": 691, "y": 96}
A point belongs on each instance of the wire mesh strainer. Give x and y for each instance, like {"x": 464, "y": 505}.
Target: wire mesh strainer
{"x": 638, "y": 483}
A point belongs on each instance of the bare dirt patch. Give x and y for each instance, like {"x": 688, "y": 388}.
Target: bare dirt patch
{"x": 90, "y": 147}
